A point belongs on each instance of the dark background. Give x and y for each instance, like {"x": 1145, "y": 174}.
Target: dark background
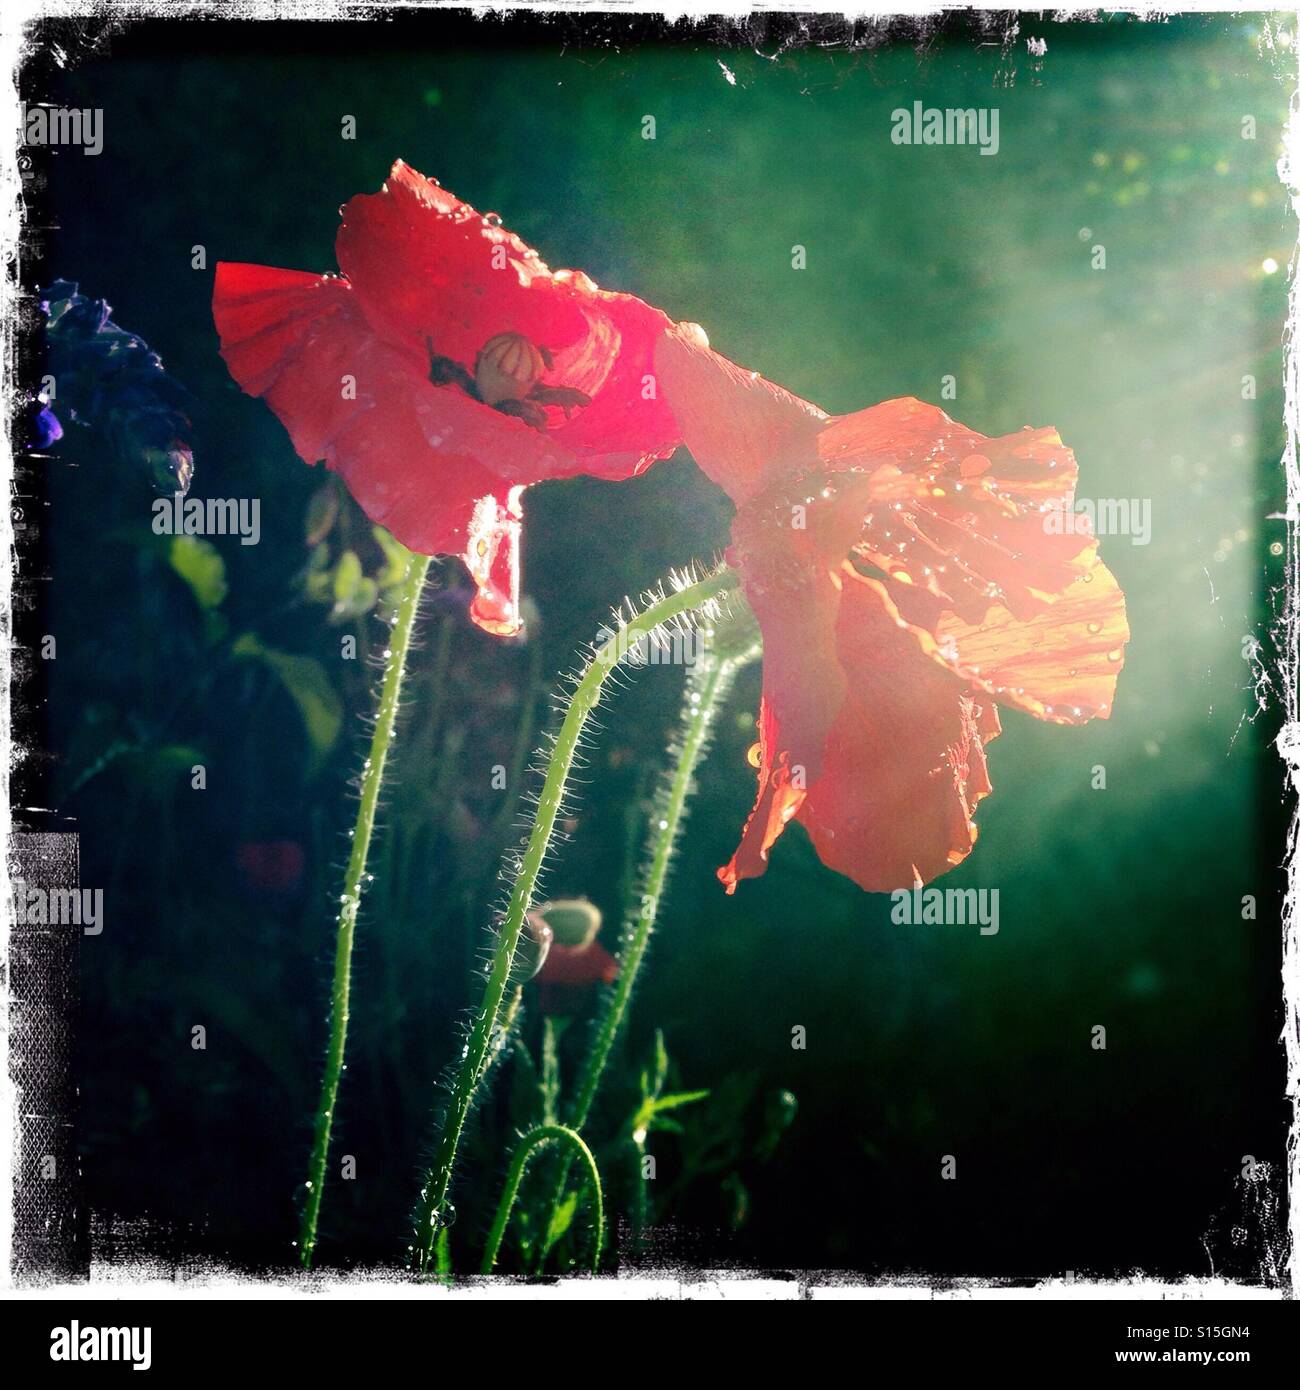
{"x": 1118, "y": 907}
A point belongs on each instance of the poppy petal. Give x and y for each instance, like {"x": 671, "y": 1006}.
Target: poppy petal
{"x": 904, "y": 765}
{"x": 435, "y": 276}
{"x": 1061, "y": 665}
{"x": 745, "y": 432}
{"x": 880, "y": 675}
{"x": 409, "y": 451}
{"x": 778, "y": 800}
{"x": 795, "y": 597}
{"x": 492, "y": 557}
{"x": 967, "y": 517}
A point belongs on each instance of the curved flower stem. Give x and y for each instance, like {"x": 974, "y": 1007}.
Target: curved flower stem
{"x": 528, "y": 1145}
{"x": 372, "y": 776}
{"x": 433, "y": 1196}
{"x": 707, "y": 686}
{"x": 710, "y": 680}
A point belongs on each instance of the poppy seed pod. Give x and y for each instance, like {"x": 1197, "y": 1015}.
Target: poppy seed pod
{"x": 507, "y": 368}
{"x": 533, "y": 947}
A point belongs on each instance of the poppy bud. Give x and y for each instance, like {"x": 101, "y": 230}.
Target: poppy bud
{"x": 574, "y": 921}
{"x": 531, "y": 950}
{"x": 507, "y": 369}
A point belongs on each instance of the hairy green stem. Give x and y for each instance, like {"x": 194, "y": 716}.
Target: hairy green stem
{"x": 372, "y": 776}
{"x": 528, "y": 1145}
{"x": 710, "y": 681}
{"x": 707, "y": 686}
{"x": 433, "y": 1202}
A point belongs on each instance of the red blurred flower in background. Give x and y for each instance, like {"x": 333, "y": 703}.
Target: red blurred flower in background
{"x": 274, "y": 867}
{"x": 446, "y": 371}
{"x": 907, "y": 578}
{"x": 576, "y": 962}
{"x": 566, "y": 981}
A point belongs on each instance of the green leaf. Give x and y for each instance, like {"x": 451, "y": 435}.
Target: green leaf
{"x": 679, "y": 1098}
{"x": 154, "y": 768}
{"x": 318, "y": 582}
{"x": 199, "y": 564}
{"x": 354, "y": 593}
{"x": 317, "y": 700}
{"x": 348, "y": 575}
{"x": 397, "y": 559}
{"x": 661, "y": 1061}
{"x": 304, "y": 678}
{"x": 562, "y": 1218}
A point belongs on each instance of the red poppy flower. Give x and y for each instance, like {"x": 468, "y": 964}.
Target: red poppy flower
{"x": 445, "y": 371}
{"x": 909, "y": 576}
{"x": 570, "y": 973}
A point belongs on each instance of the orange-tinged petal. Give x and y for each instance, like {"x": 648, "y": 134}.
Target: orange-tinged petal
{"x": 906, "y": 572}
{"x": 904, "y": 766}
{"x": 1061, "y": 665}
{"x": 778, "y": 800}
{"x": 744, "y": 432}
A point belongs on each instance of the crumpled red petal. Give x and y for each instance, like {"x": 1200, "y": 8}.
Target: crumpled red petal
{"x": 433, "y": 274}
{"x": 493, "y": 560}
{"x": 904, "y": 766}
{"x": 957, "y": 514}
{"x": 907, "y": 572}
{"x": 965, "y": 531}
{"x": 744, "y": 431}
{"x": 408, "y": 451}
{"x": 345, "y": 364}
